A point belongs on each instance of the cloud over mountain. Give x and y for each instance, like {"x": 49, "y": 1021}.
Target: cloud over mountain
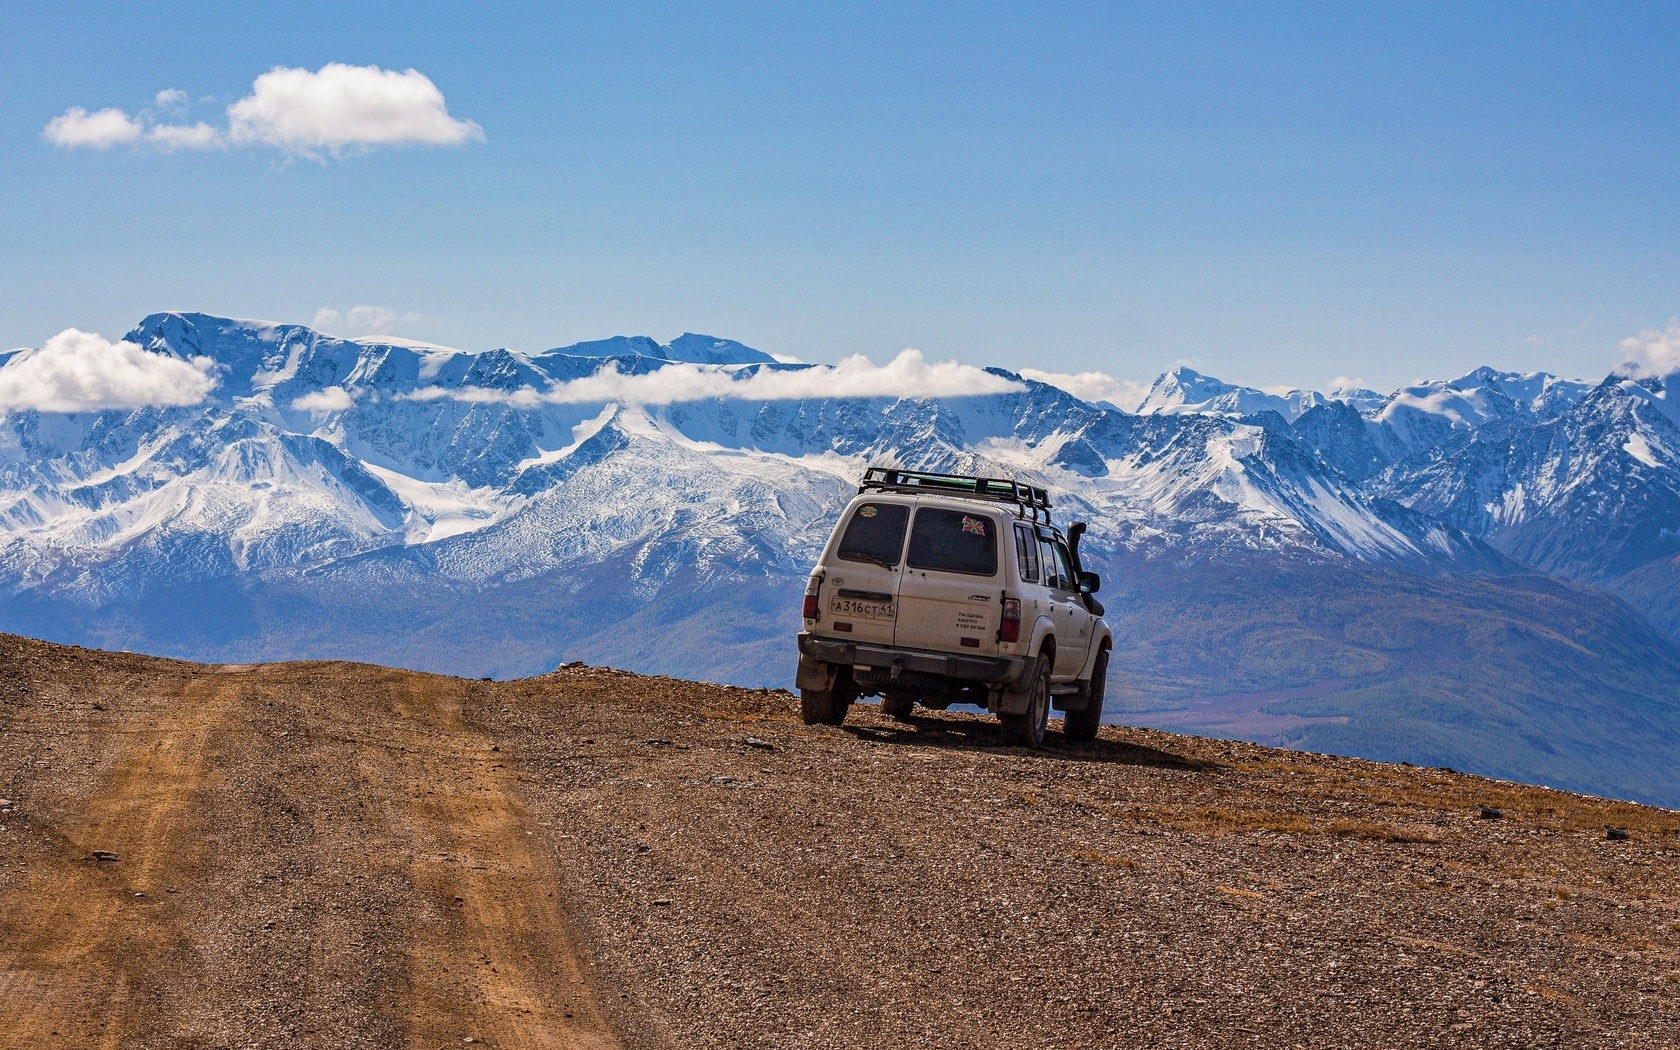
{"x": 907, "y": 375}
{"x": 78, "y": 371}
{"x": 365, "y": 319}
{"x": 1654, "y": 351}
{"x": 1093, "y": 386}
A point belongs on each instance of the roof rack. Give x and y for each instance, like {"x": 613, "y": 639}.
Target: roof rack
{"x": 1030, "y": 500}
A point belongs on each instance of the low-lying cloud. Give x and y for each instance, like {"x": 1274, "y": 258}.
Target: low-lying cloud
{"x": 1093, "y": 386}
{"x": 327, "y": 399}
{"x": 79, "y": 371}
{"x": 1653, "y": 352}
{"x": 907, "y": 375}
{"x": 334, "y": 110}
{"x": 361, "y": 320}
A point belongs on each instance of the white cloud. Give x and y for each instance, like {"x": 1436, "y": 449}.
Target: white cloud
{"x": 1094, "y": 386}
{"x": 184, "y": 136}
{"x": 83, "y": 372}
{"x": 334, "y": 110}
{"x": 361, "y": 320}
{"x": 1653, "y": 352}
{"x": 329, "y": 399}
{"x": 344, "y": 107}
{"x": 907, "y": 375}
{"x": 76, "y": 127}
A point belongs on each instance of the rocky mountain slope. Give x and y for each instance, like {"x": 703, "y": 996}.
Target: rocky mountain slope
{"x": 656, "y": 506}
{"x": 349, "y": 855}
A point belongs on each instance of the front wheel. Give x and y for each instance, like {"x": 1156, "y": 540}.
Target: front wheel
{"x": 1027, "y": 729}
{"x": 1082, "y": 725}
{"x": 825, "y": 707}
{"x": 897, "y": 705}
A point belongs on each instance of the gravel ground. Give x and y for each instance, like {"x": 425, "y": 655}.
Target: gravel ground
{"x": 345, "y": 855}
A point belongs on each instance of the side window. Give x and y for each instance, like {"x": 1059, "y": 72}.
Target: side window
{"x": 1064, "y": 568}
{"x": 1026, "y": 552}
{"x": 954, "y": 541}
{"x": 1047, "y": 557}
{"x": 1057, "y": 570}
{"x": 875, "y": 534}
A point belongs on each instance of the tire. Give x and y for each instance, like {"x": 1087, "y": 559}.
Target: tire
{"x": 1027, "y": 729}
{"x": 823, "y": 707}
{"x": 897, "y": 705}
{"x": 1083, "y": 725}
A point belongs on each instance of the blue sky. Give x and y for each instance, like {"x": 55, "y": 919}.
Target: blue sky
{"x": 1275, "y": 193}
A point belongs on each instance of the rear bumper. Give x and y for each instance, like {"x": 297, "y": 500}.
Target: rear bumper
{"x": 990, "y": 670}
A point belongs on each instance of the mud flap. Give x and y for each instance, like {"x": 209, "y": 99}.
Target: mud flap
{"x": 1003, "y": 702}
{"x": 1072, "y": 701}
{"x": 815, "y": 675}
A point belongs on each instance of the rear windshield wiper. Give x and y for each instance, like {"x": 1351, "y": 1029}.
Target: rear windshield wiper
{"x": 873, "y": 559}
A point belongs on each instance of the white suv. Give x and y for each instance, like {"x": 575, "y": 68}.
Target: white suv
{"x": 939, "y": 589}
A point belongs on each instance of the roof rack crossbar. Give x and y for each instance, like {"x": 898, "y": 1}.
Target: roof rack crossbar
{"x": 1033, "y": 502}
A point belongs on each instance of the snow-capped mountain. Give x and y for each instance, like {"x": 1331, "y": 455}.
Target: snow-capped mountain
{"x": 1184, "y": 391}
{"x": 657, "y": 506}
{"x": 1591, "y": 493}
{"x": 314, "y": 449}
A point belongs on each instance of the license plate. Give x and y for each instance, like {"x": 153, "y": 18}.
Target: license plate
{"x": 862, "y": 609}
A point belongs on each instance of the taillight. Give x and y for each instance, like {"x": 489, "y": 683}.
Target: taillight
{"x": 1010, "y": 629}
{"x": 813, "y": 609}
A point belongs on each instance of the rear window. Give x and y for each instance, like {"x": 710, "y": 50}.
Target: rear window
{"x": 875, "y": 534}
{"x": 952, "y": 541}
{"x": 1026, "y": 552}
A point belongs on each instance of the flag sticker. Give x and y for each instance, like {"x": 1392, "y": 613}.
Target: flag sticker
{"x": 974, "y": 525}
{"x": 866, "y": 512}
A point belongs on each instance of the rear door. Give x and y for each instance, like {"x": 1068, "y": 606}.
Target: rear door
{"x": 950, "y": 590}
{"x": 860, "y": 592}
{"x": 1067, "y": 612}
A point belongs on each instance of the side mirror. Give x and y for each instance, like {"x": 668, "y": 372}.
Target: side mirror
{"x": 1089, "y": 583}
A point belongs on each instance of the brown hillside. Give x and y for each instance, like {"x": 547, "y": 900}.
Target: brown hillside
{"x": 342, "y": 855}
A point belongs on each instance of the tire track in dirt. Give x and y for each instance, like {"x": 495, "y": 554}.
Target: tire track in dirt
{"x": 306, "y": 855}
{"x": 84, "y": 926}
{"x": 501, "y": 965}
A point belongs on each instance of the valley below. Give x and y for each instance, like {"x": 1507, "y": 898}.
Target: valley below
{"x": 348, "y": 855}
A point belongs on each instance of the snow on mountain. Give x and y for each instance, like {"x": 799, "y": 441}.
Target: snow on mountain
{"x": 1185, "y": 391}
{"x": 1425, "y": 414}
{"x": 1661, "y": 392}
{"x": 688, "y": 347}
{"x": 314, "y": 450}
{"x": 1590, "y": 494}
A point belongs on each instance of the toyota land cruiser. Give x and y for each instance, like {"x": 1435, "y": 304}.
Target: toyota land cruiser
{"x": 939, "y": 589}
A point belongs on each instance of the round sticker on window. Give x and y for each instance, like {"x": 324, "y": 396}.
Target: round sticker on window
{"x": 866, "y": 512}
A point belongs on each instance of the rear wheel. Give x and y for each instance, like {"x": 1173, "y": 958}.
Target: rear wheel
{"x": 1082, "y": 725}
{"x": 897, "y": 705}
{"x": 826, "y": 707}
{"x": 1027, "y": 729}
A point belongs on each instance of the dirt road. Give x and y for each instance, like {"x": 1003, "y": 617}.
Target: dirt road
{"x": 307, "y": 854}
{"x": 342, "y": 855}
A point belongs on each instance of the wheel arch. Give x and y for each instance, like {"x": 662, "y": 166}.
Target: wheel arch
{"x": 1044, "y": 630}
